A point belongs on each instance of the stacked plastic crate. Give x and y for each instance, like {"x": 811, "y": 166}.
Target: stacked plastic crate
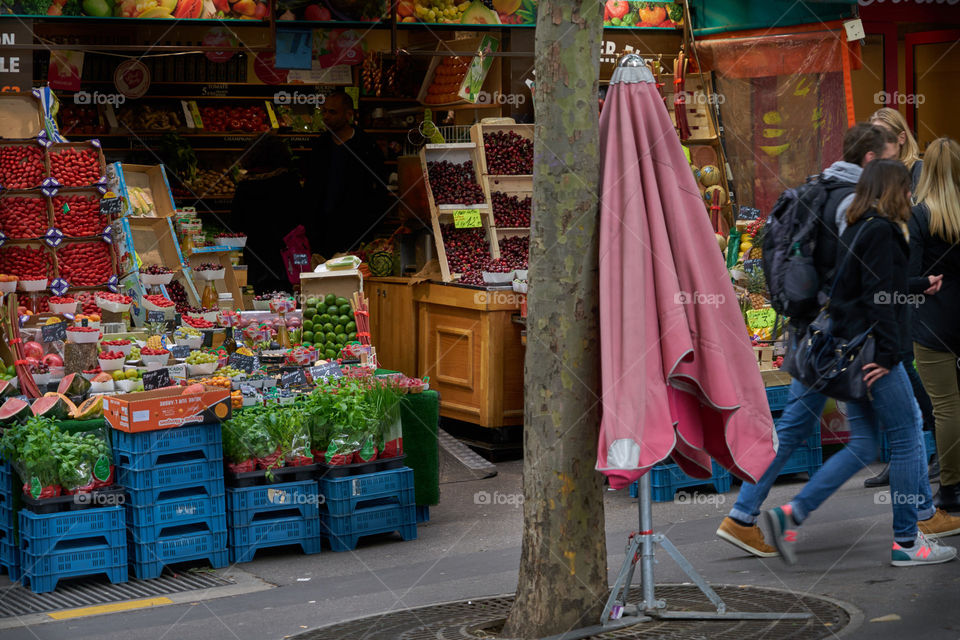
{"x": 367, "y": 504}
{"x": 9, "y": 552}
{"x": 273, "y": 515}
{"x": 175, "y": 506}
{"x": 71, "y": 544}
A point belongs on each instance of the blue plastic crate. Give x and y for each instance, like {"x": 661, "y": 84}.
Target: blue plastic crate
{"x": 42, "y": 572}
{"x": 343, "y": 496}
{"x": 423, "y": 513}
{"x": 279, "y": 531}
{"x": 309, "y": 546}
{"x": 929, "y": 445}
{"x": 152, "y": 570}
{"x": 182, "y": 508}
{"x": 10, "y": 560}
{"x": 153, "y": 495}
{"x": 343, "y": 532}
{"x": 777, "y": 397}
{"x": 180, "y": 474}
{"x": 807, "y": 458}
{"x": 247, "y": 504}
{"x": 665, "y": 479}
{"x": 70, "y": 525}
{"x": 167, "y": 440}
{"x": 149, "y": 460}
{"x": 193, "y": 543}
{"x": 7, "y": 518}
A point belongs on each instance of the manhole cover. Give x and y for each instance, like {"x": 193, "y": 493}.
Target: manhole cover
{"x": 83, "y": 592}
{"x": 455, "y": 621}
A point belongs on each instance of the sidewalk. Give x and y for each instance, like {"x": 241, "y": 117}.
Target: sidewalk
{"x": 468, "y": 550}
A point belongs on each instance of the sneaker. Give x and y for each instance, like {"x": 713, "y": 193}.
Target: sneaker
{"x": 941, "y": 525}
{"x": 882, "y": 479}
{"x": 784, "y": 536}
{"x": 923, "y": 551}
{"x": 750, "y": 539}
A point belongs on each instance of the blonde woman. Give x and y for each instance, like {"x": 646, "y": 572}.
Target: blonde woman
{"x": 908, "y": 152}
{"x": 934, "y": 235}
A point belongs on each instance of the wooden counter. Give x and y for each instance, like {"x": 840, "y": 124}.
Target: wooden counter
{"x": 471, "y": 350}
{"x": 393, "y": 322}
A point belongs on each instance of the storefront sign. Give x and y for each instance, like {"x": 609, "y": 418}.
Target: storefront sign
{"x": 467, "y": 219}
{"x": 16, "y": 65}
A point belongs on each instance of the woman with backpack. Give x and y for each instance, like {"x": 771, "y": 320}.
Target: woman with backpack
{"x": 908, "y": 152}
{"x": 934, "y": 235}
{"x": 869, "y": 294}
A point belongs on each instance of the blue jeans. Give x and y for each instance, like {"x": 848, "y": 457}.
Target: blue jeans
{"x": 800, "y": 420}
{"x": 891, "y": 397}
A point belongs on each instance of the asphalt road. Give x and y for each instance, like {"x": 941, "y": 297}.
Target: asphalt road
{"x": 469, "y": 550}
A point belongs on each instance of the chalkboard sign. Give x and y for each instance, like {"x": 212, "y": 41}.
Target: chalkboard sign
{"x": 111, "y": 207}
{"x": 301, "y": 259}
{"x": 156, "y": 316}
{"x": 180, "y": 351}
{"x": 207, "y": 338}
{"x": 747, "y": 213}
{"x": 51, "y": 332}
{"x": 749, "y": 266}
{"x": 156, "y": 379}
{"x": 291, "y": 378}
{"x": 324, "y": 371}
{"x": 242, "y": 362}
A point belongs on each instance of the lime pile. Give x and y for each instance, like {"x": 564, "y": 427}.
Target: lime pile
{"x": 328, "y": 324}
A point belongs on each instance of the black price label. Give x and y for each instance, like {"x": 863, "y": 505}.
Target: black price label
{"x": 156, "y": 379}
{"x": 301, "y": 258}
{"x": 180, "y": 351}
{"x": 242, "y": 362}
{"x": 52, "y": 332}
{"x": 328, "y": 370}
{"x": 749, "y": 266}
{"x": 207, "y": 338}
{"x": 156, "y": 316}
{"x": 293, "y": 378}
{"x": 747, "y": 213}
{"x": 112, "y": 207}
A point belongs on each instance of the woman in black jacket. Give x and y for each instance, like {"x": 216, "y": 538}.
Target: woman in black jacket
{"x": 934, "y": 236}
{"x": 870, "y": 294}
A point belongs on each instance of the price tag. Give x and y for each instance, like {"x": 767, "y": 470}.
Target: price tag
{"x": 246, "y": 390}
{"x": 52, "y": 332}
{"x": 156, "y": 379}
{"x": 324, "y": 371}
{"x": 467, "y": 219}
{"x": 178, "y": 372}
{"x": 180, "y": 351}
{"x": 156, "y": 316}
{"x": 293, "y": 378}
{"x": 207, "y": 338}
{"x": 760, "y": 318}
{"x": 747, "y": 213}
{"x": 301, "y": 259}
{"x": 749, "y": 266}
{"x": 111, "y": 207}
{"x": 242, "y": 362}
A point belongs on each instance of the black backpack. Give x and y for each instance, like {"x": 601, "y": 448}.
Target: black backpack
{"x": 789, "y": 245}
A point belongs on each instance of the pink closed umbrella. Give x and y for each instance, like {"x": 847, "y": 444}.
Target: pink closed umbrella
{"x": 679, "y": 375}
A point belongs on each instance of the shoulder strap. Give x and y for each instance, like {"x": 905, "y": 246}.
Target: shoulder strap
{"x": 846, "y": 258}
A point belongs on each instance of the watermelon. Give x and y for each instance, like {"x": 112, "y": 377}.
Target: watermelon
{"x": 8, "y": 389}
{"x": 15, "y": 410}
{"x": 74, "y": 385}
{"x": 55, "y": 406}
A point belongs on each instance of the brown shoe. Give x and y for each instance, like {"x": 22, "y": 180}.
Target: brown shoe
{"x": 941, "y": 525}
{"x": 750, "y": 539}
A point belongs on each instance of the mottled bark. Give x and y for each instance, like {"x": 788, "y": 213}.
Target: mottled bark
{"x": 563, "y": 575}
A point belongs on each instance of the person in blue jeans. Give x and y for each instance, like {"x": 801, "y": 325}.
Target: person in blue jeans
{"x": 870, "y": 294}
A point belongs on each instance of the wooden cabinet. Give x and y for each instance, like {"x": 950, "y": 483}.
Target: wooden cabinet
{"x": 393, "y": 322}
{"x": 472, "y": 352}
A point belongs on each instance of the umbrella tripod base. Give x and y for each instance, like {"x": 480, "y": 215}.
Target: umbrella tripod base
{"x": 597, "y": 629}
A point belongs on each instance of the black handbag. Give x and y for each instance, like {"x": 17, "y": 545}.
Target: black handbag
{"x": 827, "y": 363}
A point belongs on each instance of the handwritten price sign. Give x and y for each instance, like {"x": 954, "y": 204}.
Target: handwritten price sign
{"x": 467, "y": 219}
{"x": 760, "y": 318}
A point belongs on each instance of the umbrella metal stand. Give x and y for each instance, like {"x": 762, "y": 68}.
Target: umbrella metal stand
{"x": 617, "y": 614}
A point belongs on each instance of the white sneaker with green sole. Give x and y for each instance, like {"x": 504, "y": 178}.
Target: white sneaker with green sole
{"x": 924, "y": 551}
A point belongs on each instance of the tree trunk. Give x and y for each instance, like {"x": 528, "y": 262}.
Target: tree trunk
{"x": 563, "y": 572}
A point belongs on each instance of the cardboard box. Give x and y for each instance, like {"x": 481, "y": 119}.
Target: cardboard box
{"x": 21, "y": 115}
{"x": 339, "y": 283}
{"x": 151, "y": 178}
{"x": 166, "y": 408}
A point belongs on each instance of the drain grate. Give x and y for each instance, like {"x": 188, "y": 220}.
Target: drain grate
{"x": 465, "y": 621}
{"x": 15, "y": 600}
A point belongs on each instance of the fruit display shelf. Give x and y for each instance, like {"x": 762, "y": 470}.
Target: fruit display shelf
{"x": 490, "y": 138}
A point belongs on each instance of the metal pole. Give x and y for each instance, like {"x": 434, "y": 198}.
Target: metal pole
{"x": 647, "y": 554}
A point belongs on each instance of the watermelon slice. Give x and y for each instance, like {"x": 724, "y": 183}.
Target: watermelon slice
{"x": 74, "y": 385}
{"x": 8, "y": 389}
{"x": 15, "y": 410}
{"x": 56, "y": 407}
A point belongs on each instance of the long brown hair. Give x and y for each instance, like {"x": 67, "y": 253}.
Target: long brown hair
{"x": 939, "y": 188}
{"x": 885, "y": 187}
{"x": 909, "y": 151}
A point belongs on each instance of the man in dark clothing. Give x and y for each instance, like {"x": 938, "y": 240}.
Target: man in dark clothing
{"x": 346, "y": 179}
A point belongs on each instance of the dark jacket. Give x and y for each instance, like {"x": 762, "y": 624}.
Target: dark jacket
{"x": 347, "y": 184}
{"x": 936, "y": 322}
{"x": 267, "y": 207}
{"x": 873, "y": 287}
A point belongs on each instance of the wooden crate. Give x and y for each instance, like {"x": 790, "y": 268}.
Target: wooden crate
{"x": 477, "y": 131}
{"x": 21, "y": 115}
{"x": 764, "y": 358}
{"x": 698, "y": 107}
{"x": 518, "y": 186}
{"x": 443, "y": 213}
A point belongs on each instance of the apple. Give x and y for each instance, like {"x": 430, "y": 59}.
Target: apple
{"x": 53, "y": 360}
{"x": 33, "y": 350}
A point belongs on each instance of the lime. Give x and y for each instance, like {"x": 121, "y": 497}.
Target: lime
{"x": 350, "y": 326}
{"x": 131, "y": 374}
{"x": 139, "y": 373}
{"x": 324, "y": 318}
{"x": 118, "y": 375}
{"x": 329, "y": 299}
{"x": 331, "y": 336}
{"x": 308, "y": 325}
{"x": 307, "y": 336}
{"x": 339, "y": 329}
{"x": 333, "y": 310}
{"x": 341, "y": 300}
{"x": 329, "y": 354}
{"x": 352, "y": 335}
{"x": 317, "y": 319}
{"x": 309, "y": 312}
{"x": 342, "y": 338}
{"x": 345, "y": 310}
{"x": 312, "y": 302}
{"x": 344, "y": 319}
{"x": 11, "y": 370}
{"x": 328, "y": 327}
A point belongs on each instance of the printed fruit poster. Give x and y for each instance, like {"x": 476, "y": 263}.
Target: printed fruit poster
{"x": 170, "y": 9}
